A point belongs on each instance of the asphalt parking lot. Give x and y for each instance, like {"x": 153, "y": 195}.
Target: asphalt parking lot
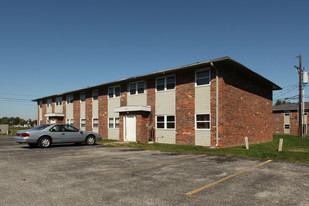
{"x": 98, "y": 175}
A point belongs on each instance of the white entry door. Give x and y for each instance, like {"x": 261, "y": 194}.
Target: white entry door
{"x": 130, "y": 128}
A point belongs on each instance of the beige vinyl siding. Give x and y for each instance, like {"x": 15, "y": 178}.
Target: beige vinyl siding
{"x": 40, "y": 113}
{"x": 286, "y": 121}
{"x": 165, "y": 102}
{"x": 202, "y": 106}
{"x": 95, "y": 113}
{"x": 202, "y": 137}
{"x": 166, "y": 136}
{"x": 137, "y": 99}
{"x": 113, "y": 133}
{"x": 49, "y": 109}
{"x": 69, "y": 112}
{"x": 202, "y": 100}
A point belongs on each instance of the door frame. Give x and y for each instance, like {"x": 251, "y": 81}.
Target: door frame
{"x": 125, "y": 127}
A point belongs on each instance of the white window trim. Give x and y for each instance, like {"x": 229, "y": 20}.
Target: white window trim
{"x": 285, "y": 128}
{"x": 93, "y": 122}
{"x": 114, "y": 122}
{"x": 81, "y": 122}
{"x": 165, "y": 83}
{"x": 113, "y": 92}
{"x": 201, "y": 70}
{"x": 206, "y": 121}
{"x": 136, "y": 84}
{"x": 80, "y": 96}
{"x": 165, "y": 122}
{"x": 93, "y": 91}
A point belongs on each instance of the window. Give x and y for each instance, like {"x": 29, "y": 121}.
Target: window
{"x": 95, "y": 95}
{"x": 202, "y": 121}
{"x": 286, "y": 126}
{"x": 286, "y": 113}
{"x": 40, "y": 122}
{"x": 69, "y": 128}
{"x": 59, "y": 101}
{"x": 202, "y": 78}
{"x": 70, "y": 121}
{"x": 137, "y": 88}
{"x": 82, "y": 122}
{"x": 113, "y": 122}
{"x": 166, "y": 83}
{"x": 83, "y": 97}
{"x": 49, "y": 102}
{"x": 40, "y": 104}
{"x": 114, "y": 92}
{"x": 95, "y": 122}
{"x": 166, "y": 122}
{"x": 70, "y": 99}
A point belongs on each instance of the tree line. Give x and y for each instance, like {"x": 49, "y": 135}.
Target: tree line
{"x": 17, "y": 121}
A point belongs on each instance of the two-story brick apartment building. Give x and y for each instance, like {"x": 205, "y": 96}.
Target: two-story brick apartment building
{"x": 285, "y": 118}
{"x": 211, "y": 103}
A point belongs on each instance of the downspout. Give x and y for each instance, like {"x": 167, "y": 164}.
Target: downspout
{"x": 217, "y": 105}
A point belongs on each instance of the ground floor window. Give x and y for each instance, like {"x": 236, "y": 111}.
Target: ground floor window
{"x": 165, "y": 121}
{"x": 70, "y": 121}
{"x": 82, "y": 122}
{"x": 286, "y": 126}
{"x": 202, "y": 121}
{"x": 95, "y": 122}
{"x": 113, "y": 122}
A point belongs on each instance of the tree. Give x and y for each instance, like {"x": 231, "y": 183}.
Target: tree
{"x": 279, "y": 102}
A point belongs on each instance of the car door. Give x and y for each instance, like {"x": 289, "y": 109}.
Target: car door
{"x": 72, "y": 134}
{"x": 56, "y": 133}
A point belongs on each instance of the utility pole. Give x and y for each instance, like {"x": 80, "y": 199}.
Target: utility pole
{"x": 300, "y": 73}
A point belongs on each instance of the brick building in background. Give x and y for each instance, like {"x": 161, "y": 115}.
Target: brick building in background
{"x": 285, "y": 118}
{"x": 212, "y": 103}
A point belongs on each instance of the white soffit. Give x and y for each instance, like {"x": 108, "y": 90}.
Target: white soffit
{"x": 133, "y": 109}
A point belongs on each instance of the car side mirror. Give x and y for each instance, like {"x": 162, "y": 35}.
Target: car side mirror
{"x": 80, "y": 131}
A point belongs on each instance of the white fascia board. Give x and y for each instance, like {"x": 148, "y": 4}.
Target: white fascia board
{"x": 133, "y": 109}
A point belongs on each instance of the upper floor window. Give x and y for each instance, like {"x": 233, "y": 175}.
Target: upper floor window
{"x": 286, "y": 113}
{"x": 59, "y": 101}
{"x": 202, "y": 77}
{"x": 49, "y": 102}
{"x": 83, "y": 97}
{"x": 137, "y": 88}
{"x": 40, "y": 104}
{"x": 114, "y": 92}
{"x": 70, "y": 99}
{"x": 95, "y": 94}
{"x": 165, "y": 83}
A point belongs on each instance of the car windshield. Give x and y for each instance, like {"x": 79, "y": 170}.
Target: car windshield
{"x": 40, "y": 127}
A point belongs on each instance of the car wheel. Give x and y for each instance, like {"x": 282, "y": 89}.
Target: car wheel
{"x": 45, "y": 142}
{"x": 32, "y": 144}
{"x": 90, "y": 140}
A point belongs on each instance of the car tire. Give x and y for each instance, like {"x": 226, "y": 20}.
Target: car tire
{"x": 45, "y": 142}
{"x": 32, "y": 145}
{"x": 90, "y": 140}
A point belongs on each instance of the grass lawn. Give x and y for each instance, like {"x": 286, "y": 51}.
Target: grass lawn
{"x": 295, "y": 149}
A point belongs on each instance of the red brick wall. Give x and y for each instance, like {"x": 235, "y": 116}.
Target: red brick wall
{"x": 64, "y": 108}
{"x": 88, "y": 111}
{"x": 76, "y": 109}
{"x": 151, "y": 101}
{"x": 103, "y": 113}
{"x": 278, "y": 125}
{"x": 43, "y": 111}
{"x": 38, "y": 119}
{"x": 245, "y": 108}
{"x": 53, "y": 106}
{"x": 293, "y": 122}
{"x": 185, "y": 108}
{"x": 123, "y": 102}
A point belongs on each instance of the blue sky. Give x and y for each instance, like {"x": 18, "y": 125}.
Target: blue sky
{"x": 53, "y": 46}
